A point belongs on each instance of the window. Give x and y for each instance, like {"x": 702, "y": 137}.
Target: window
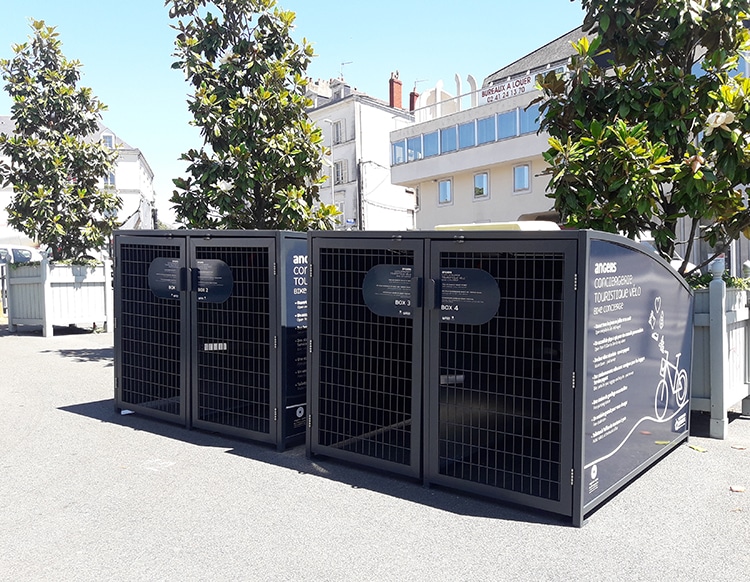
{"x": 339, "y": 133}
{"x": 445, "y": 192}
{"x": 529, "y": 122}
{"x": 506, "y": 125}
{"x": 341, "y": 218}
{"x": 430, "y": 144}
{"x": 481, "y": 185}
{"x": 414, "y": 148}
{"x": 340, "y": 172}
{"x": 485, "y": 130}
{"x": 108, "y": 141}
{"x": 448, "y": 140}
{"x": 521, "y": 178}
{"x": 398, "y": 152}
{"x": 109, "y": 180}
{"x": 466, "y": 137}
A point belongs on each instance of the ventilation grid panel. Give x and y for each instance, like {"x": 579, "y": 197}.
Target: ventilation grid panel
{"x": 500, "y": 390}
{"x": 365, "y": 369}
{"x": 233, "y": 344}
{"x": 150, "y": 333}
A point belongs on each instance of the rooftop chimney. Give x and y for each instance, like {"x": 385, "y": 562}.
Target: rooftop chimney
{"x": 413, "y": 96}
{"x": 394, "y": 91}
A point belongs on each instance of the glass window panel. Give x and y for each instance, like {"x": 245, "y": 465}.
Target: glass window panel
{"x": 466, "y": 137}
{"x": 521, "y": 178}
{"x": 448, "y": 140}
{"x": 481, "y": 185}
{"x": 486, "y": 130}
{"x": 529, "y": 122}
{"x": 506, "y": 125}
{"x": 430, "y": 144}
{"x": 414, "y": 148}
{"x": 445, "y": 195}
{"x": 398, "y": 152}
{"x": 338, "y": 131}
{"x": 341, "y": 172}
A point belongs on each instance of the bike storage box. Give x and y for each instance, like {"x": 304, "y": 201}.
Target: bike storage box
{"x": 547, "y": 369}
{"x": 211, "y": 330}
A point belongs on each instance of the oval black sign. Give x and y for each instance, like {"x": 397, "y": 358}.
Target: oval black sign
{"x": 215, "y": 280}
{"x": 387, "y": 290}
{"x": 164, "y": 278}
{"x": 468, "y": 296}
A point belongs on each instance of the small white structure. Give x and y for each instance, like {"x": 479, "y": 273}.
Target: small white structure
{"x": 44, "y": 294}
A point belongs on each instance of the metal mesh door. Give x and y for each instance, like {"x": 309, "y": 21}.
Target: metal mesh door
{"x": 497, "y": 399}
{"x": 366, "y": 378}
{"x": 149, "y": 331}
{"x": 232, "y": 373}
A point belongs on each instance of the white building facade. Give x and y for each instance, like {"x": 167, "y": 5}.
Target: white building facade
{"x": 477, "y": 157}
{"x": 131, "y": 177}
{"x": 356, "y": 129}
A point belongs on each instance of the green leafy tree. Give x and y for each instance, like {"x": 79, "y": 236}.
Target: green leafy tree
{"x": 262, "y": 158}
{"x": 650, "y": 126}
{"x": 54, "y": 170}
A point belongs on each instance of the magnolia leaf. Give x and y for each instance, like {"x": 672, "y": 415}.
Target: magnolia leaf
{"x": 604, "y": 22}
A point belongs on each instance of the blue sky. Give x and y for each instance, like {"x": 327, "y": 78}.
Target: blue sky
{"x": 126, "y": 51}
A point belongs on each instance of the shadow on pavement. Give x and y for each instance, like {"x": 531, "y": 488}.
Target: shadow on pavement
{"x": 295, "y": 459}
{"x": 700, "y": 423}
{"x": 35, "y": 330}
{"x": 105, "y": 355}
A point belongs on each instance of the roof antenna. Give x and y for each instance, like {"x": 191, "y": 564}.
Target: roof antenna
{"x": 341, "y": 69}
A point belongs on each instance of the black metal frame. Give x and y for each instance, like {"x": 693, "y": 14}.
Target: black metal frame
{"x": 151, "y": 337}
{"x": 364, "y": 380}
{"x": 536, "y": 419}
{"x": 239, "y": 359}
{"x": 500, "y": 419}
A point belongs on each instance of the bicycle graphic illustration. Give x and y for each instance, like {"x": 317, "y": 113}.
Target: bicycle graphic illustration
{"x": 674, "y": 380}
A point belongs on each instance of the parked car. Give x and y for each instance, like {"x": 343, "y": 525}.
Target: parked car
{"x": 18, "y": 254}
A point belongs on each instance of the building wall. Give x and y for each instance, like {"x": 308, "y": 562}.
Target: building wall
{"x": 134, "y": 181}
{"x": 366, "y": 196}
{"x": 497, "y": 158}
{"x": 385, "y": 206}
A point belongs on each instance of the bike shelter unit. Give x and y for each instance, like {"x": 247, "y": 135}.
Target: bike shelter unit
{"x": 211, "y": 330}
{"x": 547, "y": 369}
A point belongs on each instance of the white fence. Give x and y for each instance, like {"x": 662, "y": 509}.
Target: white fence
{"x": 45, "y": 294}
{"x": 721, "y": 369}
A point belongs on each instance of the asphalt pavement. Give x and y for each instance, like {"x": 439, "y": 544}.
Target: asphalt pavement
{"x": 89, "y": 494}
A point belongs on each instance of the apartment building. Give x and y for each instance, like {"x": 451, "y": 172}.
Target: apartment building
{"x": 132, "y": 177}
{"x": 356, "y": 129}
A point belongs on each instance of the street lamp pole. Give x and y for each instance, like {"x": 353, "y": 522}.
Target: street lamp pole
{"x": 333, "y": 164}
